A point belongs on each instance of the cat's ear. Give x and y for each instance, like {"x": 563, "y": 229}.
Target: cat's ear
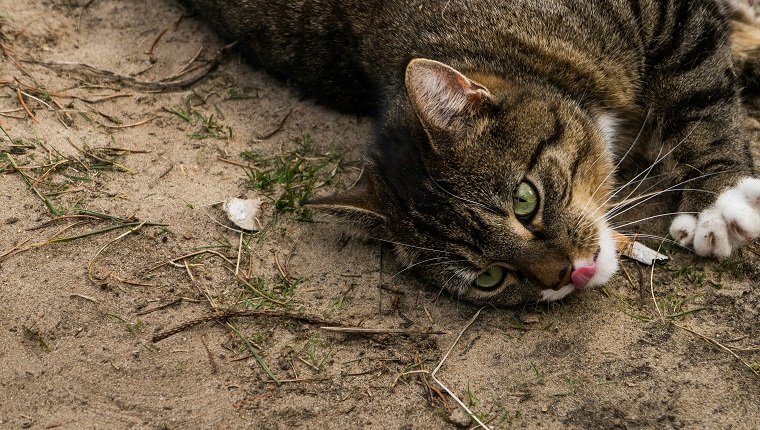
{"x": 362, "y": 203}
{"x": 442, "y": 97}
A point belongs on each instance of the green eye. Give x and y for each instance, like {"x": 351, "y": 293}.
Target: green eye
{"x": 491, "y": 277}
{"x": 525, "y": 200}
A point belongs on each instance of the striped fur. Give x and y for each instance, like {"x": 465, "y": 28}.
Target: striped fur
{"x": 473, "y": 97}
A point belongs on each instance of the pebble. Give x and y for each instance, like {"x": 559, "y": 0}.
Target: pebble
{"x": 460, "y": 418}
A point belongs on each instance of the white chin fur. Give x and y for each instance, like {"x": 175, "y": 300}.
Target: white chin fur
{"x": 606, "y": 266}
{"x": 607, "y": 261}
{"x": 550, "y": 295}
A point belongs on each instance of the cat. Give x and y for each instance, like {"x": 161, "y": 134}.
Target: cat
{"x": 503, "y": 128}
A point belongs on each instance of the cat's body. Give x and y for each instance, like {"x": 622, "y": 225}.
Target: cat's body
{"x": 501, "y": 126}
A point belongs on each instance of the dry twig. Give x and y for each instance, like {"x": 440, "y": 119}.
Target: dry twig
{"x": 26, "y": 108}
{"x": 437, "y": 368}
{"x": 224, "y": 315}
{"x": 90, "y": 274}
{"x": 719, "y": 345}
{"x": 362, "y": 330}
{"x": 82, "y": 68}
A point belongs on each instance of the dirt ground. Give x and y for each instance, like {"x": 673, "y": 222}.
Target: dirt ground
{"x": 676, "y": 346}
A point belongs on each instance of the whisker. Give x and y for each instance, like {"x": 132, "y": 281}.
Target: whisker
{"x": 643, "y": 198}
{"x": 464, "y": 278}
{"x": 630, "y": 148}
{"x": 646, "y": 172}
{"x": 618, "y": 206}
{"x": 645, "y": 192}
{"x": 673, "y": 188}
{"x": 616, "y": 213}
{"x": 615, "y": 227}
{"x": 447, "y": 284}
{"x": 450, "y": 194}
{"x": 649, "y": 169}
{"x": 409, "y": 246}
{"x": 650, "y": 236}
{"x": 416, "y": 264}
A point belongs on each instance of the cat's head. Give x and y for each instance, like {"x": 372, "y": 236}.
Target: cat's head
{"x": 491, "y": 189}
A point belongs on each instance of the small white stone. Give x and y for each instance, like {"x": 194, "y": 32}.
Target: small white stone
{"x": 243, "y": 212}
{"x": 643, "y": 254}
{"x": 629, "y": 247}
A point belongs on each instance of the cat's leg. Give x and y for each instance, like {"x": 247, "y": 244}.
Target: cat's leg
{"x": 694, "y": 93}
{"x": 734, "y": 219}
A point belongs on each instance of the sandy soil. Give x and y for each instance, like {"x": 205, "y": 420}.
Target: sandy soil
{"x": 79, "y": 316}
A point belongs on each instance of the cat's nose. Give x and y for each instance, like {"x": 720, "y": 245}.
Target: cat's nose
{"x": 583, "y": 274}
{"x": 565, "y": 275}
{"x": 553, "y": 274}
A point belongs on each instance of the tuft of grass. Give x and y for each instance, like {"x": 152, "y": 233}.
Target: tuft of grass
{"x": 471, "y": 399}
{"x": 244, "y": 94}
{"x": 275, "y": 288}
{"x": 289, "y": 286}
{"x": 291, "y": 178}
{"x": 9, "y": 145}
{"x": 732, "y": 267}
{"x": 515, "y": 322}
{"x": 133, "y": 328}
{"x": 635, "y": 315}
{"x": 696, "y": 276}
{"x": 505, "y": 416}
{"x": 319, "y": 352}
{"x": 667, "y": 248}
{"x": 209, "y": 126}
{"x": 54, "y": 211}
{"x": 161, "y": 231}
{"x": 538, "y": 373}
{"x": 56, "y": 179}
{"x": 674, "y": 306}
{"x": 252, "y": 350}
{"x": 573, "y": 383}
{"x": 35, "y": 335}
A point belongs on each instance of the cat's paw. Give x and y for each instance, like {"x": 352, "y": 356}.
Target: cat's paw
{"x": 730, "y": 223}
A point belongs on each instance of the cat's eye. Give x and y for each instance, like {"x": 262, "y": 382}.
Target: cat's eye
{"x": 525, "y": 200}
{"x": 491, "y": 277}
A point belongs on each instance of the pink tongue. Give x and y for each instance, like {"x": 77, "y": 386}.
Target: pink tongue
{"x": 582, "y": 275}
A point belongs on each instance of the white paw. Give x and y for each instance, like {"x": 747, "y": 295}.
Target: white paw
{"x": 682, "y": 229}
{"x": 730, "y": 223}
{"x": 711, "y": 235}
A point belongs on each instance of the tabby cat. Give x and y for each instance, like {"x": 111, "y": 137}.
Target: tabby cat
{"x": 503, "y": 127}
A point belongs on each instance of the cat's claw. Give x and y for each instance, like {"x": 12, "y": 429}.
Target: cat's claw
{"x": 730, "y": 223}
